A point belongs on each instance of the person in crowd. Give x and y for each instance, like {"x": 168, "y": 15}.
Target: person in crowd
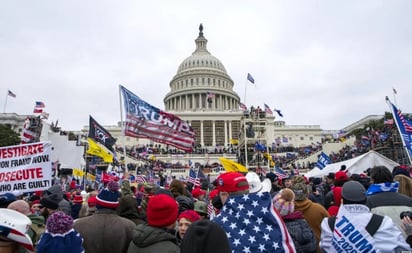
{"x": 407, "y": 228}
{"x": 355, "y": 228}
{"x": 201, "y": 209}
{"x": 317, "y": 195}
{"x": 128, "y": 204}
{"x": 184, "y": 220}
{"x": 198, "y": 194}
{"x": 329, "y": 182}
{"x": 313, "y": 213}
{"x": 383, "y": 197}
{"x": 287, "y": 182}
{"x": 204, "y": 236}
{"x": 48, "y": 205}
{"x": 185, "y": 203}
{"x": 177, "y": 188}
{"x": 405, "y": 184}
{"x": 13, "y": 232}
{"x": 251, "y": 216}
{"x": 64, "y": 205}
{"x": 105, "y": 231}
{"x": 274, "y": 180}
{"x": 158, "y": 235}
{"x": 302, "y": 235}
{"x": 340, "y": 178}
{"x": 35, "y": 207}
{"x": 77, "y": 204}
{"x": 60, "y": 237}
{"x": 6, "y": 199}
{"x": 37, "y": 226}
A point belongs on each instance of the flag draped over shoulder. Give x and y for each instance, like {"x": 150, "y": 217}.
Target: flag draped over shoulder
{"x": 252, "y": 225}
{"x": 146, "y": 121}
{"x": 100, "y": 134}
{"x": 404, "y": 127}
{"x": 99, "y": 150}
{"x": 323, "y": 160}
{"x": 230, "y": 165}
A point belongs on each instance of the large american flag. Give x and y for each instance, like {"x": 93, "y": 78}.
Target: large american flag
{"x": 146, "y": 121}
{"x": 252, "y": 225}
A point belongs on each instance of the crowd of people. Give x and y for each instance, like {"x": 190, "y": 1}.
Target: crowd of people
{"x": 237, "y": 212}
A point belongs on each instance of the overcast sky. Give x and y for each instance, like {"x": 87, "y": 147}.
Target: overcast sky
{"x": 327, "y": 63}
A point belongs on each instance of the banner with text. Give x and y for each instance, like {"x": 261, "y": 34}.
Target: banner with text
{"x": 25, "y": 168}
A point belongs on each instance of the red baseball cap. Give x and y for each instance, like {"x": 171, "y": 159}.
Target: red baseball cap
{"x": 341, "y": 176}
{"x": 232, "y": 182}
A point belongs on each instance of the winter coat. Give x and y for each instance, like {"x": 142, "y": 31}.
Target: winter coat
{"x": 147, "y": 239}
{"x": 105, "y": 232}
{"x": 302, "y": 235}
{"x": 388, "y": 238}
{"x": 314, "y": 214}
{"x": 390, "y": 204}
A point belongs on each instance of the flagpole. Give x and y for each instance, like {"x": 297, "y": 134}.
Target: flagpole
{"x": 5, "y": 103}
{"x": 399, "y": 129}
{"x": 394, "y": 96}
{"x": 122, "y": 123}
{"x": 244, "y": 96}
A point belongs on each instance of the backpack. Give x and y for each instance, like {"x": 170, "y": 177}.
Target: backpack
{"x": 372, "y": 226}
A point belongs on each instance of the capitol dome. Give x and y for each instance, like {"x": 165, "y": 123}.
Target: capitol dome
{"x": 201, "y": 83}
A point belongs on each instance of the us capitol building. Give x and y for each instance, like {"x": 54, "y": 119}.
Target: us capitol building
{"x": 202, "y": 94}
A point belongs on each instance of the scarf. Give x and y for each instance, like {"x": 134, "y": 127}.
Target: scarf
{"x": 382, "y": 187}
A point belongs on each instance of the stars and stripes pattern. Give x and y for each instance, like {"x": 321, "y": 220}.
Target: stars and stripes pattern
{"x": 252, "y": 225}
{"x": 140, "y": 179}
{"x": 146, "y": 121}
{"x": 268, "y": 110}
{"x": 193, "y": 178}
{"x": 404, "y": 126}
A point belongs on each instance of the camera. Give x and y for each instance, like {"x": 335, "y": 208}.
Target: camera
{"x": 406, "y": 213}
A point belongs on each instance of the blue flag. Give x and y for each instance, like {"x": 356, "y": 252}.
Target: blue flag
{"x": 404, "y": 127}
{"x": 323, "y": 160}
{"x": 252, "y": 225}
{"x": 250, "y": 78}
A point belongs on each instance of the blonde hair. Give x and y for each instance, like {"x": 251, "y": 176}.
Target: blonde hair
{"x": 405, "y": 184}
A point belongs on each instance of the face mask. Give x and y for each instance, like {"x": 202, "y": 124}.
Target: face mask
{"x": 217, "y": 202}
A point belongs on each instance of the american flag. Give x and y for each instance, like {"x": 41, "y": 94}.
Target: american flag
{"x": 146, "y": 121}
{"x": 140, "y": 179}
{"x": 39, "y": 104}
{"x": 404, "y": 126}
{"x": 280, "y": 173}
{"x": 210, "y": 95}
{"x": 268, "y": 110}
{"x": 243, "y": 107}
{"x": 405, "y": 122}
{"x": 252, "y": 224}
{"x": 193, "y": 178}
{"x": 28, "y": 136}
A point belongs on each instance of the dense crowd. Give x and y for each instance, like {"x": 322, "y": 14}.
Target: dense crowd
{"x": 370, "y": 212}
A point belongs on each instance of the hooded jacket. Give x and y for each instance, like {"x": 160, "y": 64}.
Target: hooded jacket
{"x": 147, "y": 239}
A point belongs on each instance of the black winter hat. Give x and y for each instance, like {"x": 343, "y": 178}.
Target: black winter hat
{"x": 51, "y": 201}
{"x": 185, "y": 203}
{"x": 205, "y": 236}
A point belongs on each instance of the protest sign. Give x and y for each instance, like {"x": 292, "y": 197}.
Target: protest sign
{"x": 25, "y": 168}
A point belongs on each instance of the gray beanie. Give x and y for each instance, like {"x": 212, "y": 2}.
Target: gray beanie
{"x": 353, "y": 191}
